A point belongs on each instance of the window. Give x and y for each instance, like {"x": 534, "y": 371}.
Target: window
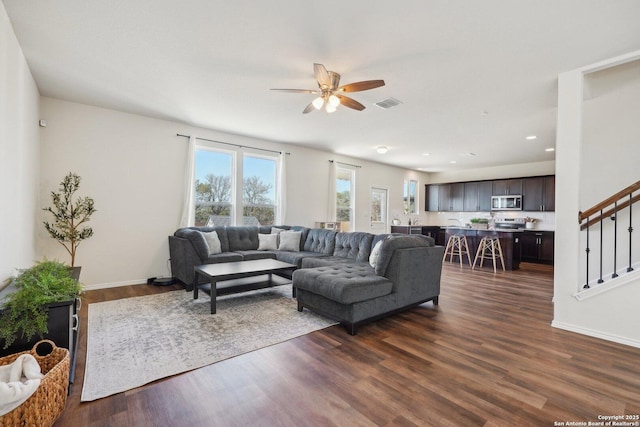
{"x": 345, "y": 185}
{"x": 214, "y": 187}
{"x": 259, "y": 190}
{"x": 217, "y": 175}
{"x": 410, "y": 197}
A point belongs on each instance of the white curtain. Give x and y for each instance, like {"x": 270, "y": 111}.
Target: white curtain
{"x": 281, "y": 191}
{"x": 331, "y": 205}
{"x": 188, "y": 203}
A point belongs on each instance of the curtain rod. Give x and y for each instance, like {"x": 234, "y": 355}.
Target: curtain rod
{"x": 234, "y": 145}
{"x": 346, "y": 164}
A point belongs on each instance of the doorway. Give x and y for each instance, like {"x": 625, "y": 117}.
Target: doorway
{"x": 379, "y": 210}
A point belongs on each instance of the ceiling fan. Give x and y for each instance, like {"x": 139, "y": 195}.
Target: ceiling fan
{"x": 330, "y": 94}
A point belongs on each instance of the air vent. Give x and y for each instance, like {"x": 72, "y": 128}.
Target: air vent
{"x": 388, "y": 103}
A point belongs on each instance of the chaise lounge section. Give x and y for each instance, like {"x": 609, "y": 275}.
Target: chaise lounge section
{"x": 406, "y": 273}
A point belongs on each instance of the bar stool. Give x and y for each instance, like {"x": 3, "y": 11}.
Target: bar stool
{"x": 489, "y": 247}
{"x": 457, "y": 245}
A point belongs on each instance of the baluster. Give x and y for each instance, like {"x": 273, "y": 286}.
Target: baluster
{"x": 615, "y": 240}
{"x": 601, "y": 249}
{"x": 586, "y": 285}
{"x": 630, "y": 230}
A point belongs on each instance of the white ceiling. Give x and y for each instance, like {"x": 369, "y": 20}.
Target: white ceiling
{"x": 473, "y": 76}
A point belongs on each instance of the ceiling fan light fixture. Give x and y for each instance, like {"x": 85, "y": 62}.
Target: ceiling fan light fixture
{"x": 381, "y": 149}
{"x": 330, "y": 108}
{"x": 334, "y": 101}
{"x": 318, "y": 102}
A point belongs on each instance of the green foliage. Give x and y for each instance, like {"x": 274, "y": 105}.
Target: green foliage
{"x": 69, "y": 215}
{"x": 479, "y": 221}
{"x": 24, "y": 313}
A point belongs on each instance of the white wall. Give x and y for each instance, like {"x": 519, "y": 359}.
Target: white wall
{"x": 585, "y": 175}
{"x": 19, "y": 154}
{"x": 132, "y": 166}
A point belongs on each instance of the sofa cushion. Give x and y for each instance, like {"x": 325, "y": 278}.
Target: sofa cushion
{"x": 346, "y": 283}
{"x": 321, "y": 261}
{"x": 256, "y": 254}
{"x": 222, "y": 257}
{"x": 355, "y": 245}
{"x": 390, "y": 244}
{"x": 267, "y": 242}
{"x": 213, "y": 243}
{"x": 289, "y": 241}
{"x": 320, "y": 240}
{"x": 242, "y": 238}
{"x": 295, "y": 258}
{"x": 375, "y": 254}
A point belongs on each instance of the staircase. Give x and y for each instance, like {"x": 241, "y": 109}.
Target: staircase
{"x": 612, "y": 251}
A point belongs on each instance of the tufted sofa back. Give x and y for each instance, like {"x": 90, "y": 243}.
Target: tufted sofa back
{"x": 355, "y": 245}
{"x": 242, "y": 238}
{"x": 320, "y": 240}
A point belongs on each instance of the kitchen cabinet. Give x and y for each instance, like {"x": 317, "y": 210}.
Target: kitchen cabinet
{"x": 537, "y": 246}
{"x": 432, "y": 203}
{"x": 406, "y": 229}
{"x": 507, "y": 187}
{"x": 451, "y": 197}
{"x": 539, "y": 194}
{"x": 477, "y": 196}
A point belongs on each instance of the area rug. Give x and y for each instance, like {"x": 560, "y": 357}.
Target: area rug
{"x": 134, "y": 341}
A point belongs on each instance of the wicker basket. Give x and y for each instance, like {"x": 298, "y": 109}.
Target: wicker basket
{"x": 44, "y": 406}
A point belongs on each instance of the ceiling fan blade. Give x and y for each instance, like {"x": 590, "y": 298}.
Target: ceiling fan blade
{"x": 322, "y": 75}
{"x": 360, "y": 86}
{"x": 350, "y": 102}
{"x": 308, "y": 109}
{"x": 297, "y": 90}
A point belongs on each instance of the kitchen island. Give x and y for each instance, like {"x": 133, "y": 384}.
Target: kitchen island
{"x": 509, "y": 241}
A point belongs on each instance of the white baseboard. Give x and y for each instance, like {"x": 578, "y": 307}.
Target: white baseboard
{"x": 114, "y": 284}
{"x": 596, "y": 334}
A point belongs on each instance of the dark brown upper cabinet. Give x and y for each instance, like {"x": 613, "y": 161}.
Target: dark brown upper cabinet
{"x": 539, "y": 194}
{"x": 507, "y": 187}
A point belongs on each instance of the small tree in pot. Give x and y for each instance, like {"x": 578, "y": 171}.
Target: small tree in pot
{"x": 69, "y": 215}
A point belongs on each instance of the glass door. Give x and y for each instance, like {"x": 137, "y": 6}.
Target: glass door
{"x": 378, "y": 210}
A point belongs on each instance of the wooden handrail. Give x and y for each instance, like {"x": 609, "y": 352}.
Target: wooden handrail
{"x": 608, "y": 213}
{"x": 609, "y": 201}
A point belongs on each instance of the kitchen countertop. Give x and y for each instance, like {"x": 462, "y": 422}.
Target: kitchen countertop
{"x": 501, "y": 230}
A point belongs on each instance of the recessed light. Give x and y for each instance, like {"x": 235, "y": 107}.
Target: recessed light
{"x": 381, "y": 149}
{"x": 550, "y": 149}
{"x": 426, "y": 154}
{"x": 531, "y": 137}
{"x": 453, "y": 162}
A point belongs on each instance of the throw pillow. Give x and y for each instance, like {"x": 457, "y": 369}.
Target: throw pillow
{"x": 375, "y": 253}
{"x": 213, "y": 242}
{"x": 267, "y": 242}
{"x": 290, "y": 241}
{"x": 276, "y": 230}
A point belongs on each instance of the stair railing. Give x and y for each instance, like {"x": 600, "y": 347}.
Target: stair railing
{"x": 609, "y": 208}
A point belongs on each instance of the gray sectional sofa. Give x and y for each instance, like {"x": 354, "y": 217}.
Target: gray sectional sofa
{"x": 335, "y": 274}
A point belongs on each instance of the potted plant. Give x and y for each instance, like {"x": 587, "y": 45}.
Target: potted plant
{"x": 24, "y": 309}
{"x": 69, "y": 215}
{"x": 479, "y": 223}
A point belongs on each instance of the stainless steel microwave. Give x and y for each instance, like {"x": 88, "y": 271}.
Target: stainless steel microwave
{"x": 506, "y": 203}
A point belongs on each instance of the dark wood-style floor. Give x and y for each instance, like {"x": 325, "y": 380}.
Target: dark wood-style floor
{"x": 486, "y": 356}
